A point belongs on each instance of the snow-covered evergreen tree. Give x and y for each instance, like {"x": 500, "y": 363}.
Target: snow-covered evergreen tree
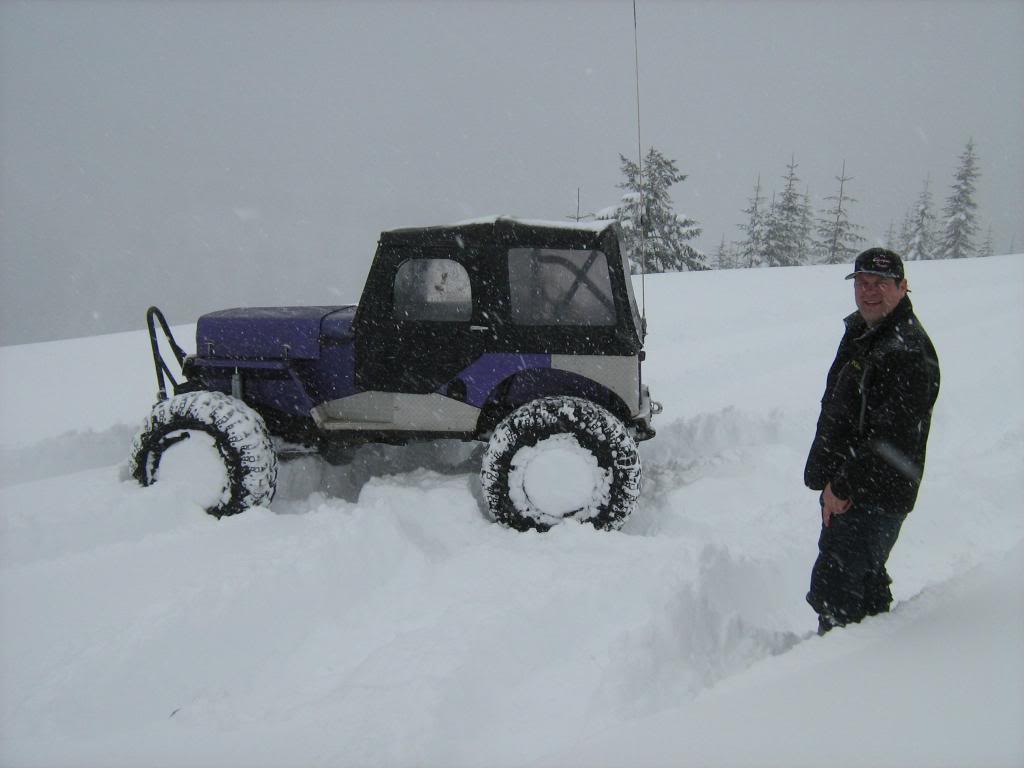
{"x": 890, "y": 238}
{"x": 988, "y": 248}
{"x": 959, "y": 226}
{"x": 903, "y": 239}
{"x": 725, "y": 257}
{"x": 665, "y": 246}
{"x": 769, "y": 217}
{"x": 805, "y": 231}
{"x": 920, "y": 244}
{"x": 751, "y": 249}
{"x": 785, "y": 237}
{"x": 838, "y": 238}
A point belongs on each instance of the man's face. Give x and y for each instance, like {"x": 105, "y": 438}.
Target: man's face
{"x": 877, "y": 296}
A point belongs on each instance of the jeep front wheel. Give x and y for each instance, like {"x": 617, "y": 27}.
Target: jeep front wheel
{"x": 560, "y": 458}
{"x": 213, "y": 446}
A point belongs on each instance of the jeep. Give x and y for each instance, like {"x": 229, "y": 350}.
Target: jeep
{"x": 522, "y": 334}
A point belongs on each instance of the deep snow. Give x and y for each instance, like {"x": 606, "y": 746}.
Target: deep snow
{"x": 373, "y": 616}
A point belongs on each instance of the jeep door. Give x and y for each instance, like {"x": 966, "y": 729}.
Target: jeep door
{"x": 414, "y": 326}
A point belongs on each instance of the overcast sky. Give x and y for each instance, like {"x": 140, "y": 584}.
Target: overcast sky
{"x": 206, "y": 153}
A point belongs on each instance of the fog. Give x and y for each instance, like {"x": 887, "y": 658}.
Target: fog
{"x": 203, "y": 154}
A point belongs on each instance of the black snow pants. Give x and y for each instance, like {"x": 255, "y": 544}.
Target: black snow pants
{"x": 849, "y": 580}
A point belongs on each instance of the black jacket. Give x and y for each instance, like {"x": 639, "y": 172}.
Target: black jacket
{"x": 876, "y": 412}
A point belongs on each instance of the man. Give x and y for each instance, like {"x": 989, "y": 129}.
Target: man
{"x": 868, "y": 453}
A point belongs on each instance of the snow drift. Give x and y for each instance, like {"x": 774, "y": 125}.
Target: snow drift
{"x": 373, "y": 616}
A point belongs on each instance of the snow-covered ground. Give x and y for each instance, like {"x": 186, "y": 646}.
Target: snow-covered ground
{"x": 373, "y": 617}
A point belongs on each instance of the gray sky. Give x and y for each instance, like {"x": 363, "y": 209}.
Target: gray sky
{"x": 205, "y": 154}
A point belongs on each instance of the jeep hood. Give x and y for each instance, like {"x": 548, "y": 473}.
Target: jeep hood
{"x": 271, "y": 333}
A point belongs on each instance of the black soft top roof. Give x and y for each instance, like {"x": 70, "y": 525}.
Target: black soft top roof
{"x": 504, "y": 230}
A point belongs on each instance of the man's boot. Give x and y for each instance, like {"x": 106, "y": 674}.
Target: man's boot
{"x": 826, "y": 623}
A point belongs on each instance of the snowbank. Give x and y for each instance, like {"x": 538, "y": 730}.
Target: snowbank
{"x": 372, "y": 616}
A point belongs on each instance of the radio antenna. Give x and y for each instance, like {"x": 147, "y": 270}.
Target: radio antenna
{"x": 640, "y": 174}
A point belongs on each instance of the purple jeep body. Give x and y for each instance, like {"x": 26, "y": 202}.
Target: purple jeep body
{"x": 313, "y": 347}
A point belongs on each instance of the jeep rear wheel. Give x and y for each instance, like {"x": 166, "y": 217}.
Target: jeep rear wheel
{"x": 560, "y": 458}
{"x": 213, "y": 446}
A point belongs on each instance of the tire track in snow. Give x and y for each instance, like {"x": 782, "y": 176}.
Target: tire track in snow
{"x": 687, "y": 449}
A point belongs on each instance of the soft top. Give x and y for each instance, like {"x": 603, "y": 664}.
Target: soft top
{"x": 505, "y": 230}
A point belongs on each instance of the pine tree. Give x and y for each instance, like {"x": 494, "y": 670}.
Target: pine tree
{"x": 837, "y": 237}
{"x": 785, "y": 238}
{"x": 665, "y": 232}
{"x": 988, "y": 247}
{"x": 769, "y": 230}
{"x": 890, "y": 238}
{"x": 725, "y": 257}
{"x": 903, "y": 240}
{"x": 751, "y": 250}
{"x": 805, "y": 231}
{"x": 959, "y": 216}
{"x": 920, "y": 244}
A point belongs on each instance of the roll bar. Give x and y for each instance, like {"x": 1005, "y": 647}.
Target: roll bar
{"x": 154, "y": 316}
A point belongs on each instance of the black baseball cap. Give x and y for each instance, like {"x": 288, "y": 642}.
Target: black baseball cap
{"x": 878, "y": 261}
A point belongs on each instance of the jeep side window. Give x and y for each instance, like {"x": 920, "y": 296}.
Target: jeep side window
{"x": 432, "y": 290}
{"x": 560, "y": 287}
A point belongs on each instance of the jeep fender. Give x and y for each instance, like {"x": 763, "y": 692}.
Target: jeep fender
{"x": 534, "y": 383}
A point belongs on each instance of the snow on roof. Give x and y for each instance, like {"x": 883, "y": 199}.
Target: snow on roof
{"x": 592, "y": 226}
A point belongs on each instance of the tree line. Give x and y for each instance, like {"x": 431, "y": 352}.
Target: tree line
{"x": 784, "y": 229}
